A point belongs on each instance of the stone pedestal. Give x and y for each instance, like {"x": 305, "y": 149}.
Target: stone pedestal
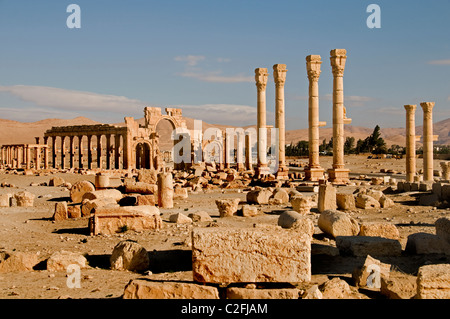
{"x": 338, "y": 174}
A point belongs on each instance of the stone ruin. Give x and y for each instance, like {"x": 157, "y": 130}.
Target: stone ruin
{"x": 132, "y": 187}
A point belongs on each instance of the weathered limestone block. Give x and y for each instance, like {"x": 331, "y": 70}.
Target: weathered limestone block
{"x": 129, "y": 255}
{"x": 366, "y": 245}
{"x": 433, "y": 282}
{"x": 74, "y": 211}
{"x": 109, "y": 221}
{"x": 149, "y": 176}
{"x": 424, "y": 243}
{"x": 370, "y": 273}
{"x": 336, "y": 223}
{"x": 301, "y": 204}
{"x": 56, "y": 181}
{"x": 146, "y": 289}
{"x": 88, "y": 205}
{"x": 445, "y": 192}
{"x": 249, "y": 211}
{"x": 443, "y": 228}
{"x": 200, "y": 216}
{"x": 437, "y": 189}
{"x": 386, "y": 202}
{"x": 260, "y": 197}
{"x": 227, "y": 207}
{"x": 226, "y": 255}
{"x": 180, "y": 193}
{"x": 425, "y": 186}
{"x": 104, "y": 193}
{"x": 165, "y": 190}
{"x": 336, "y": 288}
{"x": 366, "y": 202}
{"x": 60, "y": 260}
{"x": 12, "y": 261}
{"x": 429, "y": 200}
{"x": 375, "y": 194}
{"x": 5, "y": 200}
{"x": 103, "y": 180}
{"x": 180, "y": 218}
{"x": 294, "y": 220}
{"x": 327, "y": 198}
{"x": 246, "y": 293}
{"x": 60, "y": 211}
{"x": 399, "y": 286}
{"x": 141, "y": 188}
{"x": 144, "y": 200}
{"x": 279, "y": 196}
{"x": 379, "y": 229}
{"x": 24, "y": 199}
{"x": 345, "y": 201}
{"x": 312, "y": 293}
{"x": 79, "y": 189}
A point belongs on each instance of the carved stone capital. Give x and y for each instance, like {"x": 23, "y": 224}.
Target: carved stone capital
{"x": 427, "y": 107}
{"x": 261, "y": 77}
{"x": 410, "y": 108}
{"x": 338, "y": 58}
{"x": 279, "y": 74}
{"x": 313, "y": 63}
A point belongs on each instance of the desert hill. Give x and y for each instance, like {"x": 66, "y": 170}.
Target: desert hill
{"x": 14, "y": 132}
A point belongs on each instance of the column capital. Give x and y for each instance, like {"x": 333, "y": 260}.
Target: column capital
{"x": 338, "y": 58}
{"x": 313, "y": 63}
{"x": 279, "y": 74}
{"x": 427, "y": 107}
{"x": 410, "y": 107}
{"x": 261, "y": 77}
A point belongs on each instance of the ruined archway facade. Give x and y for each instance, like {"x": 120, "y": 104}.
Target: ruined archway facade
{"x": 124, "y": 146}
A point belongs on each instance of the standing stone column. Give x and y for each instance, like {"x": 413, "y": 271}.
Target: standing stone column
{"x": 28, "y": 150}
{"x": 165, "y": 190}
{"x": 108, "y": 151}
{"x": 428, "y": 138}
{"x": 71, "y": 152}
{"x": 54, "y": 151}
{"x": 38, "y": 157}
{"x": 117, "y": 151}
{"x": 338, "y": 174}
{"x": 46, "y": 152}
{"x": 248, "y": 152}
{"x": 410, "y": 142}
{"x": 80, "y": 151}
{"x": 261, "y": 77}
{"x": 89, "y": 149}
{"x": 279, "y": 75}
{"x": 99, "y": 151}
{"x": 313, "y": 172}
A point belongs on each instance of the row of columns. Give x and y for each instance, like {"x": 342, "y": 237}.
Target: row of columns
{"x": 112, "y": 152}
{"x": 22, "y": 155}
{"x": 411, "y": 139}
{"x": 314, "y": 172}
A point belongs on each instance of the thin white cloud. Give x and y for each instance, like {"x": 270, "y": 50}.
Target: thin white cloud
{"x": 72, "y": 100}
{"x": 224, "y": 114}
{"x": 440, "y": 62}
{"x": 191, "y": 60}
{"x": 223, "y": 60}
{"x": 217, "y": 77}
{"x": 351, "y": 100}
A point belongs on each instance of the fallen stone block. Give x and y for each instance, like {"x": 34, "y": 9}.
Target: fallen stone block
{"x": 366, "y": 202}
{"x": 399, "y": 286}
{"x": 280, "y": 196}
{"x": 260, "y": 197}
{"x": 74, "y": 211}
{"x": 365, "y": 245}
{"x": 129, "y": 255}
{"x": 294, "y": 220}
{"x": 335, "y": 288}
{"x": 109, "y": 221}
{"x": 200, "y": 216}
{"x": 307, "y": 188}
{"x": 370, "y": 273}
{"x": 60, "y": 211}
{"x": 144, "y": 200}
{"x": 146, "y": 289}
{"x": 180, "y": 218}
{"x": 56, "y": 181}
{"x": 14, "y": 261}
{"x": 141, "y": 188}
{"x": 386, "y": 202}
{"x": 327, "y": 198}
{"x": 24, "y": 199}
{"x": 104, "y": 193}
{"x": 429, "y": 200}
{"x": 180, "y": 193}
{"x": 79, "y": 189}
{"x": 425, "y": 186}
{"x": 424, "y": 243}
{"x": 301, "y": 204}
{"x": 336, "y": 223}
{"x": 227, "y": 255}
{"x": 88, "y": 206}
{"x": 345, "y": 201}
{"x": 5, "y": 200}
{"x": 249, "y": 211}
{"x": 312, "y": 293}
{"x": 248, "y": 293}
{"x": 445, "y": 192}
{"x": 60, "y": 260}
{"x": 442, "y": 226}
{"x": 433, "y": 282}
{"x": 149, "y": 176}
{"x": 379, "y": 229}
{"x": 227, "y": 207}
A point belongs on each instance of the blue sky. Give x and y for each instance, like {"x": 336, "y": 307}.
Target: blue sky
{"x": 201, "y": 56}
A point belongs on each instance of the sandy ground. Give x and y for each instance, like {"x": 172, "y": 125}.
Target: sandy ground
{"x": 32, "y": 230}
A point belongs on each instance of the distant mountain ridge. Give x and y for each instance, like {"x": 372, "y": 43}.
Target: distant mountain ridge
{"x": 14, "y": 132}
